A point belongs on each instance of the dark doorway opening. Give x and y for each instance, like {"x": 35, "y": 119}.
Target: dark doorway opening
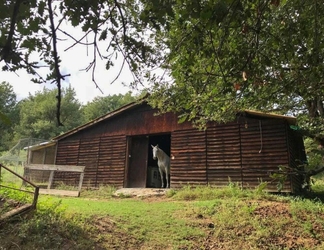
{"x": 153, "y": 179}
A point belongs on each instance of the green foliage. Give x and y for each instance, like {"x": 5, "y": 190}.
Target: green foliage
{"x": 227, "y": 56}
{"x": 102, "y": 105}
{"x": 38, "y": 112}
{"x": 117, "y": 24}
{"x": 9, "y": 115}
{"x": 10, "y": 192}
{"x": 51, "y": 228}
{"x": 221, "y": 56}
{"x": 315, "y": 153}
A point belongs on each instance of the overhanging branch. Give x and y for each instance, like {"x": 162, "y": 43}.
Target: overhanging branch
{"x": 57, "y": 72}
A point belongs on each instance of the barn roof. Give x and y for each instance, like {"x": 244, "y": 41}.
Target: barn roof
{"x": 248, "y": 113}
{"x": 101, "y": 118}
{"x": 40, "y": 145}
{"x": 253, "y": 113}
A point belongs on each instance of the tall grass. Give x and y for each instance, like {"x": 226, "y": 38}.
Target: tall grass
{"x": 232, "y": 190}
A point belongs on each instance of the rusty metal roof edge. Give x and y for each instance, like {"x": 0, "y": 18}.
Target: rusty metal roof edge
{"x": 101, "y": 118}
{"x": 41, "y": 145}
{"x": 290, "y": 119}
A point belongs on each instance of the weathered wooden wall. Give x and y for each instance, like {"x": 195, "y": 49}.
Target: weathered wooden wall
{"x": 44, "y": 155}
{"x": 188, "y": 157}
{"x": 137, "y": 121}
{"x": 224, "y": 154}
{"x": 245, "y": 151}
{"x": 263, "y": 148}
{"x": 104, "y": 158}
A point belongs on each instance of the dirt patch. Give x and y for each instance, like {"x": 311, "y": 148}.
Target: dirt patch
{"x": 113, "y": 236}
{"x": 141, "y": 192}
{"x": 271, "y": 208}
{"x": 285, "y": 231}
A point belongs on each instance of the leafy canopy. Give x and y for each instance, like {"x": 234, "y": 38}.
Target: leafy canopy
{"x": 9, "y": 114}
{"x": 226, "y": 56}
{"x": 102, "y": 105}
{"x": 37, "y": 112}
{"x": 30, "y": 32}
{"x": 220, "y": 56}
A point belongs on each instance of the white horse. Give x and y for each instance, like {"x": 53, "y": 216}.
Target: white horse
{"x": 163, "y": 163}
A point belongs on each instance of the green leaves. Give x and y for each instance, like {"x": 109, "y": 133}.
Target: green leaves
{"x": 9, "y": 116}
{"x": 38, "y": 114}
{"x": 103, "y": 35}
{"x": 231, "y": 55}
{"x": 102, "y": 105}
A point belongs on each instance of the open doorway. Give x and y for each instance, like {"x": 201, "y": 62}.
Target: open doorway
{"x": 153, "y": 179}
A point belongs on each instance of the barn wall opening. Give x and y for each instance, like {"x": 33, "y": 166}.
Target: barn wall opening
{"x": 153, "y": 179}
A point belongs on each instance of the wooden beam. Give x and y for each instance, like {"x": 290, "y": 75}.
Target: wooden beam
{"x": 81, "y": 181}
{"x": 50, "y": 181}
{"x": 63, "y": 168}
{"x": 16, "y": 211}
{"x": 59, "y": 192}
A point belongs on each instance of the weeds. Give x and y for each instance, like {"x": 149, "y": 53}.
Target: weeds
{"x": 233, "y": 190}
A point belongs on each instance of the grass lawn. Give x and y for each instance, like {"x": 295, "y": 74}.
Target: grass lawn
{"x": 189, "y": 218}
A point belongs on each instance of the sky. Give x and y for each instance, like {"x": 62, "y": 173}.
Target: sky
{"x": 73, "y": 62}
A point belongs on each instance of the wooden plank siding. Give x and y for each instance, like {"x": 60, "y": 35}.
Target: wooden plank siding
{"x": 245, "y": 151}
{"x": 224, "y": 155}
{"x": 67, "y": 154}
{"x": 111, "y": 162}
{"x": 188, "y": 157}
{"x": 263, "y": 149}
{"x": 104, "y": 158}
{"x": 88, "y": 156}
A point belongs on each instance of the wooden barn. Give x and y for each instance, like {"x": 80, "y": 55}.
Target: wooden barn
{"x": 116, "y": 150}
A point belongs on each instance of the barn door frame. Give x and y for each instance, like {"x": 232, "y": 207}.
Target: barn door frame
{"x": 136, "y": 162}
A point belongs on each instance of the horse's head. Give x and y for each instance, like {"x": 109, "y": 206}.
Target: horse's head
{"x": 155, "y": 150}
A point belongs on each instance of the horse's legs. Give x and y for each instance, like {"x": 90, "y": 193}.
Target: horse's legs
{"x": 167, "y": 177}
{"x": 161, "y": 174}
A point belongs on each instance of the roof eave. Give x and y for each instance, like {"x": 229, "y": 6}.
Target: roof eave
{"x": 99, "y": 119}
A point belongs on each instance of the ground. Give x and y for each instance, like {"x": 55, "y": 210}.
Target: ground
{"x": 273, "y": 214}
{"x": 141, "y": 192}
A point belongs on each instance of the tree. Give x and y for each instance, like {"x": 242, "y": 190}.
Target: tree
{"x": 227, "y": 56}
{"x": 231, "y": 55}
{"x": 37, "y": 112}
{"x": 8, "y": 115}
{"x": 102, "y": 105}
{"x": 222, "y": 55}
{"x": 33, "y": 29}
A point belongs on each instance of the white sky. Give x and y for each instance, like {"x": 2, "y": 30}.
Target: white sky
{"x": 73, "y": 61}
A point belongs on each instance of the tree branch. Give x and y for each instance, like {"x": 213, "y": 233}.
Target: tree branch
{"x": 58, "y": 75}
{"x": 7, "y": 49}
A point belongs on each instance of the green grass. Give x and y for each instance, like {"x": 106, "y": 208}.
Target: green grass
{"x": 8, "y": 177}
{"x": 188, "y": 218}
{"x": 147, "y": 221}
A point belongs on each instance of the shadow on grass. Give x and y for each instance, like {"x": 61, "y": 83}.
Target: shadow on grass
{"x": 34, "y": 232}
{"x": 314, "y": 195}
